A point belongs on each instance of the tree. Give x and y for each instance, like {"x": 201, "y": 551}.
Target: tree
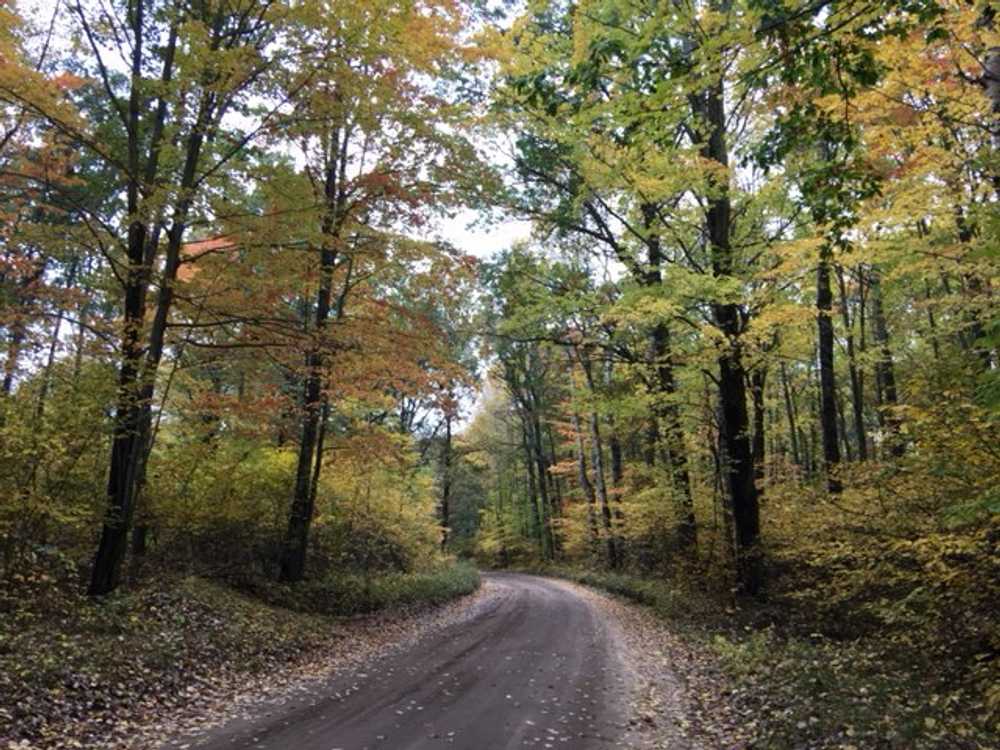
{"x": 158, "y": 110}
{"x": 375, "y": 146}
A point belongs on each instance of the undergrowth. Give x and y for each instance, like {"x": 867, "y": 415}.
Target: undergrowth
{"x": 792, "y": 685}
{"x": 353, "y": 594}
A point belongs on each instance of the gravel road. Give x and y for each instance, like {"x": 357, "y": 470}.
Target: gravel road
{"x": 537, "y": 663}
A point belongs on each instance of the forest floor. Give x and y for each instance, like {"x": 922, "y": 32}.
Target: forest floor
{"x": 184, "y": 658}
{"x": 195, "y": 664}
{"x": 761, "y": 675}
{"x": 160, "y": 659}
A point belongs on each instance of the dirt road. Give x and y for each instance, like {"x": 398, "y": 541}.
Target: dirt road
{"x": 536, "y": 667}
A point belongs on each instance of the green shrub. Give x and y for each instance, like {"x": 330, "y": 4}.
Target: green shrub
{"x": 352, "y": 594}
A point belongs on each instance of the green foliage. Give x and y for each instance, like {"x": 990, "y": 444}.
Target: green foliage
{"x": 51, "y": 462}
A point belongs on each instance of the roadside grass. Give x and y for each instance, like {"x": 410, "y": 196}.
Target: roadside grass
{"x": 786, "y": 686}
{"x": 355, "y": 594}
{"x": 72, "y": 669}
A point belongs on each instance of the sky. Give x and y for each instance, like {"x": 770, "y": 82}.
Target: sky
{"x": 483, "y": 242}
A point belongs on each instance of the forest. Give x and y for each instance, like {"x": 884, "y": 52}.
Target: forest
{"x": 742, "y": 367}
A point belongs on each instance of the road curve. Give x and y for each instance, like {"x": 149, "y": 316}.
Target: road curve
{"x": 536, "y": 667}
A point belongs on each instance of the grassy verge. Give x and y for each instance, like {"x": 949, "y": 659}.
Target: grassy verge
{"x": 347, "y": 595}
{"x": 786, "y": 687}
{"x": 71, "y": 669}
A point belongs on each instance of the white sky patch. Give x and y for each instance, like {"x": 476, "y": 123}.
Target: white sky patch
{"x": 470, "y": 235}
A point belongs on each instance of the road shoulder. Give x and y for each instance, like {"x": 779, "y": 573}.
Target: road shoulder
{"x": 353, "y": 645}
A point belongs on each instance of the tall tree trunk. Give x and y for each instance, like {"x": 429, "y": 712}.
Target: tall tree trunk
{"x": 827, "y": 378}
{"x": 131, "y": 437}
{"x": 597, "y": 454}
{"x": 854, "y": 371}
{"x": 536, "y": 508}
{"x": 617, "y": 477}
{"x": 296, "y": 542}
{"x": 884, "y": 368}
{"x": 324, "y": 423}
{"x": 446, "y": 483}
{"x": 793, "y": 430}
{"x": 758, "y": 379}
{"x": 293, "y": 554}
{"x": 583, "y": 479}
{"x": 734, "y": 424}
{"x": 556, "y": 487}
{"x": 542, "y": 463}
{"x": 125, "y": 437}
{"x": 617, "y": 460}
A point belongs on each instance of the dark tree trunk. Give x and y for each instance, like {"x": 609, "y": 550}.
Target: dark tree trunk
{"x": 758, "y": 380}
{"x": 541, "y": 461}
{"x": 827, "y": 378}
{"x": 536, "y": 508}
{"x": 140, "y": 360}
{"x": 295, "y": 547}
{"x": 734, "y": 424}
{"x": 446, "y": 482}
{"x": 140, "y": 539}
{"x": 597, "y": 457}
{"x": 793, "y": 430}
{"x": 617, "y": 477}
{"x": 597, "y": 454}
{"x": 125, "y": 438}
{"x": 650, "y": 442}
{"x": 584, "y": 480}
{"x": 13, "y": 354}
{"x": 617, "y": 461}
{"x": 293, "y": 554}
{"x": 324, "y": 420}
{"x": 884, "y": 368}
{"x": 553, "y": 459}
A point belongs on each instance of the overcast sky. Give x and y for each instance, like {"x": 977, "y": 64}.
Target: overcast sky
{"x": 481, "y": 241}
